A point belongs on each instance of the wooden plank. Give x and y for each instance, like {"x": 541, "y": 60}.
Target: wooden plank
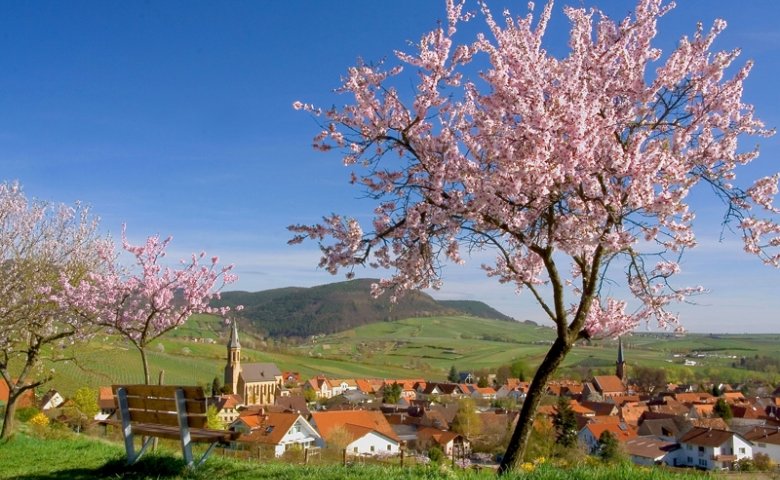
{"x": 199, "y": 435}
{"x": 161, "y": 418}
{"x": 166, "y": 418}
{"x": 162, "y": 391}
{"x": 165, "y": 404}
{"x": 151, "y": 404}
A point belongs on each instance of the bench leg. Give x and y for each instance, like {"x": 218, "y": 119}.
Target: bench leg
{"x": 206, "y": 454}
{"x": 184, "y": 428}
{"x": 127, "y": 429}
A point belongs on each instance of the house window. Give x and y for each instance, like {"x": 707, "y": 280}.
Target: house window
{"x": 741, "y": 449}
{"x": 389, "y": 448}
{"x": 701, "y": 449}
{"x": 690, "y": 447}
{"x": 355, "y": 450}
{"x": 373, "y": 448}
{"x": 690, "y": 459}
{"x": 702, "y": 462}
{"x": 762, "y": 445}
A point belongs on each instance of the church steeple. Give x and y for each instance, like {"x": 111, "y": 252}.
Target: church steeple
{"x": 620, "y": 365}
{"x": 233, "y": 342}
{"x": 233, "y": 366}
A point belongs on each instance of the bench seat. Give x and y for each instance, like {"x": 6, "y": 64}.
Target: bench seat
{"x": 170, "y": 412}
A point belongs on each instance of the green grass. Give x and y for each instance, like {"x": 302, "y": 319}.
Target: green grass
{"x": 82, "y": 458}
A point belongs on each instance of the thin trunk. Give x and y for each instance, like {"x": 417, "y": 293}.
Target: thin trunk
{"x": 8, "y": 419}
{"x": 519, "y": 441}
{"x": 145, "y": 361}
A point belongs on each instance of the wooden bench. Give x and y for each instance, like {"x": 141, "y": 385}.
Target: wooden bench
{"x": 165, "y": 411}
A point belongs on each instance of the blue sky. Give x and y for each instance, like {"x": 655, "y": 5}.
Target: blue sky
{"x": 176, "y": 118}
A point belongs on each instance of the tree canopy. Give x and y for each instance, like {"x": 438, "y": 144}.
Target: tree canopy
{"x": 572, "y": 171}
{"x": 144, "y": 303}
{"x": 40, "y": 244}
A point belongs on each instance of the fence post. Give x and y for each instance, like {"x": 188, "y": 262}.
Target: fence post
{"x": 402, "y": 449}
{"x": 344, "y": 457}
{"x": 306, "y": 455}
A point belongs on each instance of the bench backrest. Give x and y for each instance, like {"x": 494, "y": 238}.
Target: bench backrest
{"x": 157, "y": 404}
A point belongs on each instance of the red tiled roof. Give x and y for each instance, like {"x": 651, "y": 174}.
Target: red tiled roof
{"x": 622, "y": 432}
{"x": 764, "y": 435}
{"x": 441, "y": 437}
{"x": 609, "y": 384}
{"x": 365, "y": 386}
{"x": 706, "y": 437}
{"x": 106, "y": 398}
{"x": 269, "y": 428}
{"x": 695, "y": 397}
{"x": 326, "y": 422}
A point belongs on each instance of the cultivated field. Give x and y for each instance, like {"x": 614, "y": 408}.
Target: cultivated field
{"x": 415, "y": 347}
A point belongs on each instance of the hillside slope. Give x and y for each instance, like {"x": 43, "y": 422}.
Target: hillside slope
{"x": 476, "y": 309}
{"x": 336, "y": 307}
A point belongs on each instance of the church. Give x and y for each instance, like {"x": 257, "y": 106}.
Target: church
{"x": 257, "y": 383}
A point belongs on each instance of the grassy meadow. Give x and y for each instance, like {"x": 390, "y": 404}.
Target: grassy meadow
{"x": 70, "y": 457}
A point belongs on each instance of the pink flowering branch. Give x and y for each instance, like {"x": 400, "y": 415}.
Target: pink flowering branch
{"x": 586, "y": 159}
{"x": 149, "y": 300}
{"x": 39, "y": 243}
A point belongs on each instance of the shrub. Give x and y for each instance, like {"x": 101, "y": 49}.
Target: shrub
{"x": 436, "y": 454}
{"x": 24, "y": 414}
{"x": 762, "y": 462}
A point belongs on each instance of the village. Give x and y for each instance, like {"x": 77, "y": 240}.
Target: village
{"x": 273, "y": 413}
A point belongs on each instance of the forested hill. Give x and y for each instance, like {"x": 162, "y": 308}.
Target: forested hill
{"x": 339, "y": 306}
{"x": 476, "y": 309}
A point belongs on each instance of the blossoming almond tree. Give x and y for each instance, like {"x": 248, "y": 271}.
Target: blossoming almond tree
{"x": 39, "y": 244}
{"x": 143, "y": 305}
{"x": 571, "y": 170}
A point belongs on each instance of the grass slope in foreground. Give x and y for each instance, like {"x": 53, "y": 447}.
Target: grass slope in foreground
{"x": 82, "y": 458}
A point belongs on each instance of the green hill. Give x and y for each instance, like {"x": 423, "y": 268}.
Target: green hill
{"x": 336, "y": 307}
{"x": 477, "y": 309}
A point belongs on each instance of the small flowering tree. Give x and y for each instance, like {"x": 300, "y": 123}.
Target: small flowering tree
{"x": 39, "y": 244}
{"x": 143, "y": 305}
{"x": 570, "y": 170}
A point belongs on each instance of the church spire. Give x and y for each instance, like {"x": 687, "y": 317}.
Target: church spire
{"x": 233, "y": 365}
{"x": 620, "y": 365}
{"x": 233, "y": 342}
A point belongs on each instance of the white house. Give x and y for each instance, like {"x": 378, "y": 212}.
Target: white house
{"x": 713, "y": 449}
{"x": 370, "y": 442}
{"x": 590, "y": 434}
{"x": 106, "y": 403}
{"x": 52, "y": 399}
{"x": 450, "y": 442}
{"x": 368, "y": 432}
{"x": 341, "y": 386}
{"x": 278, "y": 431}
{"x": 765, "y": 440}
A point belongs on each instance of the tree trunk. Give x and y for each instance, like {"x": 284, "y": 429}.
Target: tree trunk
{"x": 145, "y": 361}
{"x": 519, "y": 441}
{"x": 8, "y": 419}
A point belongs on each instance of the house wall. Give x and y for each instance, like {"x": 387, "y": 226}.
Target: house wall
{"x": 258, "y": 393}
{"x": 55, "y": 401}
{"x": 374, "y": 445}
{"x": 767, "y": 449}
{"x": 702, "y": 457}
{"x": 587, "y": 439}
{"x": 699, "y": 457}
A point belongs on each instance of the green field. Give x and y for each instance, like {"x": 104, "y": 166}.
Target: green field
{"x": 70, "y": 457}
{"x": 416, "y": 347}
